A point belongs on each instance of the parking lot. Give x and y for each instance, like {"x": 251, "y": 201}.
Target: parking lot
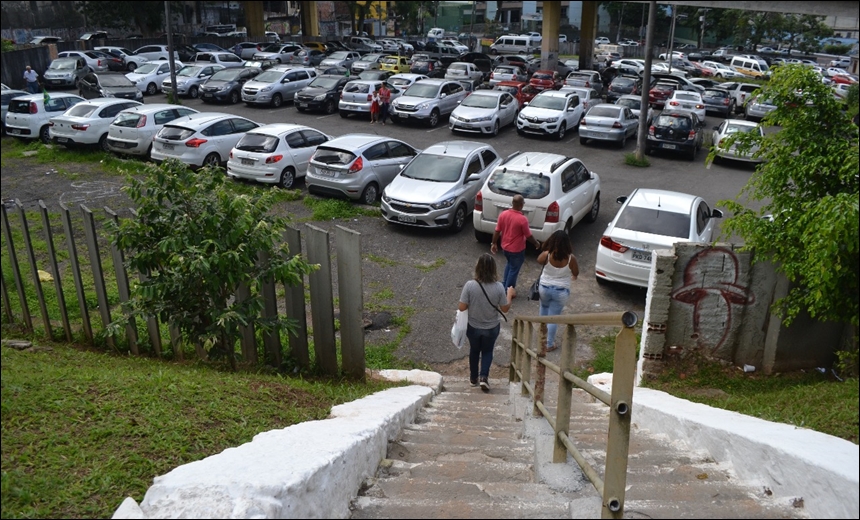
{"x": 425, "y": 269}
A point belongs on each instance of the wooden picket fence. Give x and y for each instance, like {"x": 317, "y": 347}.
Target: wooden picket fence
{"x": 93, "y": 274}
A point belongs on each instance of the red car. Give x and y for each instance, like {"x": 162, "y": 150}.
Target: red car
{"x": 842, "y": 78}
{"x": 658, "y": 95}
{"x": 521, "y": 90}
{"x": 705, "y": 71}
{"x": 546, "y": 80}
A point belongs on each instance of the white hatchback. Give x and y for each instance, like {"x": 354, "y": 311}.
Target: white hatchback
{"x": 132, "y": 130}
{"x": 275, "y": 154}
{"x": 88, "y": 122}
{"x": 28, "y": 117}
{"x": 691, "y": 101}
{"x": 149, "y": 76}
{"x": 648, "y": 220}
{"x": 203, "y": 139}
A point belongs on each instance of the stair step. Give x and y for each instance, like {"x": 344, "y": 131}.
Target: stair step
{"x": 453, "y": 437}
{"x": 476, "y": 492}
{"x": 470, "y": 469}
{"x": 459, "y": 428}
{"x": 424, "y": 451}
{"x": 447, "y": 507}
{"x": 445, "y": 423}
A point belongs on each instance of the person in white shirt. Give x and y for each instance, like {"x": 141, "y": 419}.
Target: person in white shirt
{"x": 560, "y": 268}
{"x": 32, "y": 79}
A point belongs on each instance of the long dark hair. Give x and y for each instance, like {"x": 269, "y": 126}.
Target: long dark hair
{"x": 485, "y": 269}
{"x": 558, "y": 245}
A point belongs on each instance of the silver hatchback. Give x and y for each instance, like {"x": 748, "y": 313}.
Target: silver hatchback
{"x": 277, "y": 85}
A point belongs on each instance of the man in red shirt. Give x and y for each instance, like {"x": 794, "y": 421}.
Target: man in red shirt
{"x": 513, "y": 229}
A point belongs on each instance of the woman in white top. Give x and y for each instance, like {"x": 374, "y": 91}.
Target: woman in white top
{"x": 560, "y": 268}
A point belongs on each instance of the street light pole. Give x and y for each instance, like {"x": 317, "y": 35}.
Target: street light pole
{"x": 704, "y": 11}
{"x": 671, "y": 37}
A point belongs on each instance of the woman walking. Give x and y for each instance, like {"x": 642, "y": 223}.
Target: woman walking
{"x": 560, "y": 268}
{"x": 486, "y": 300}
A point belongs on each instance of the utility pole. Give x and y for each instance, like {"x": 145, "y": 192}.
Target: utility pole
{"x": 672, "y": 37}
{"x": 620, "y": 22}
{"x": 436, "y": 19}
{"x": 646, "y": 80}
{"x": 174, "y": 98}
{"x": 704, "y": 12}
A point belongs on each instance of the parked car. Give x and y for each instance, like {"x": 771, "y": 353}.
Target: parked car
{"x": 129, "y": 59}
{"x": 7, "y": 96}
{"x": 114, "y": 63}
{"x": 159, "y": 52}
{"x": 608, "y": 122}
{"x": 718, "y": 100}
{"x": 634, "y": 103}
{"x": 277, "y": 51}
{"x": 650, "y": 219}
{"x": 623, "y": 85}
{"x": 28, "y": 117}
{"x": 546, "y": 80}
{"x": 403, "y": 81}
{"x": 276, "y": 85}
{"x": 226, "y": 84}
{"x": 559, "y": 192}
{"x": 676, "y": 130}
{"x": 308, "y": 57}
{"x": 108, "y": 85}
{"x": 588, "y": 97}
{"x": 65, "y": 72}
{"x": 757, "y": 108}
{"x": 189, "y": 78}
{"x": 343, "y": 59}
{"x": 731, "y": 127}
{"x": 482, "y": 61}
{"x": 691, "y": 101}
{"x": 428, "y": 100}
{"x": 322, "y": 93}
{"x": 275, "y": 154}
{"x": 741, "y": 93}
{"x": 95, "y": 35}
{"x": 149, "y": 76}
{"x": 367, "y": 62}
{"x": 507, "y": 73}
{"x": 587, "y": 79}
{"x": 550, "y": 113}
{"x": 132, "y": 130}
{"x": 522, "y": 92}
{"x": 705, "y": 83}
{"x": 248, "y": 49}
{"x": 512, "y": 59}
{"x": 484, "y": 112}
{"x": 355, "y": 98}
{"x": 429, "y": 68}
{"x": 721, "y": 70}
{"x": 396, "y": 64}
{"x": 225, "y": 59}
{"x": 209, "y": 47}
{"x": 94, "y": 61}
{"x": 87, "y": 122}
{"x": 203, "y": 139}
{"x": 463, "y": 71}
{"x": 357, "y": 166}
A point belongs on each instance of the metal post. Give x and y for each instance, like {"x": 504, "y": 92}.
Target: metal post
{"x": 174, "y": 97}
{"x": 620, "y": 21}
{"x": 671, "y": 37}
{"x": 646, "y": 80}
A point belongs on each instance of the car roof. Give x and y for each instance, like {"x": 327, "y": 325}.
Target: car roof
{"x": 153, "y": 107}
{"x": 105, "y": 101}
{"x": 488, "y": 93}
{"x": 512, "y": 83}
{"x": 742, "y": 122}
{"x": 202, "y": 118}
{"x": 672, "y": 201}
{"x": 353, "y": 141}
{"x": 454, "y": 148}
{"x": 536, "y": 162}
{"x": 278, "y": 129}
{"x": 40, "y": 97}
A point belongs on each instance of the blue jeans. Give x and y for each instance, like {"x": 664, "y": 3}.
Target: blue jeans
{"x": 33, "y": 87}
{"x": 552, "y": 301}
{"x": 512, "y": 268}
{"x": 481, "y": 343}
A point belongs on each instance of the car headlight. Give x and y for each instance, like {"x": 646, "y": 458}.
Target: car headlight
{"x": 225, "y": 87}
{"x": 423, "y": 106}
{"x": 266, "y": 89}
{"x": 487, "y": 118}
{"x": 385, "y": 197}
{"x": 551, "y": 119}
{"x": 447, "y": 203}
{"x": 321, "y": 97}
{"x": 521, "y": 116}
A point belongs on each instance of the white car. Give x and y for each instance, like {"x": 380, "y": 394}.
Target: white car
{"x": 675, "y": 54}
{"x": 132, "y": 130}
{"x": 457, "y": 45}
{"x": 484, "y": 112}
{"x": 404, "y": 80}
{"x": 601, "y": 40}
{"x": 94, "y": 62}
{"x": 149, "y": 76}
{"x": 552, "y": 112}
{"x": 275, "y": 154}
{"x": 648, "y": 220}
{"x": 130, "y": 60}
{"x": 721, "y": 70}
{"x": 534, "y": 36}
{"x": 731, "y": 127}
{"x": 559, "y": 191}
{"x": 88, "y": 122}
{"x": 203, "y": 139}
{"x": 840, "y": 90}
{"x": 588, "y": 97}
{"x": 28, "y": 117}
{"x": 691, "y": 101}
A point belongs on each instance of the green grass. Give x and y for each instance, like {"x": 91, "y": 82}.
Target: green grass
{"x": 631, "y": 160}
{"x": 82, "y": 430}
{"x": 436, "y": 264}
{"x": 337, "y": 209}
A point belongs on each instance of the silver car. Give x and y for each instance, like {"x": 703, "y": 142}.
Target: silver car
{"x": 357, "y": 166}
{"x": 278, "y": 52}
{"x": 438, "y": 188}
{"x": 198, "y": 140}
{"x": 608, "y": 122}
{"x": 356, "y": 96}
{"x": 133, "y": 129}
{"x": 277, "y": 85}
{"x": 65, "y": 72}
{"x": 757, "y": 108}
{"x": 343, "y": 59}
{"x": 428, "y": 100}
{"x": 367, "y": 62}
{"x": 507, "y": 73}
{"x": 484, "y": 112}
{"x": 189, "y": 78}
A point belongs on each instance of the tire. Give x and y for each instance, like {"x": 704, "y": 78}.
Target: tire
{"x": 434, "y": 119}
{"x": 494, "y": 52}
{"x": 484, "y": 238}
{"x": 370, "y": 193}
{"x": 344, "y": 114}
{"x": 568, "y": 227}
{"x": 103, "y": 143}
{"x": 234, "y": 97}
{"x": 44, "y": 135}
{"x": 288, "y": 178}
{"x": 458, "y": 222}
{"x": 623, "y": 141}
{"x": 719, "y": 75}
{"x": 496, "y": 129}
{"x": 277, "y": 101}
{"x": 583, "y": 140}
{"x": 693, "y": 153}
{"x": 193, "y": 92}
{"x": 560, "y": 134}
{"x": 330, "y": 107}
{"x": 591, "y": 218}
{"x": 151, "y": 89}
{"x": 131, "y": 66}
{"x": 213, "y": 159}
{"x": 300, "y": 110}
{"x": 601, "y": 281}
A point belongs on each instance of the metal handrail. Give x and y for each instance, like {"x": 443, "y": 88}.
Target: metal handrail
{"x": 620, "y": 402}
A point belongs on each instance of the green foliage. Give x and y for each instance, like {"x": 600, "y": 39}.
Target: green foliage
{"x": 141, "y": 16}
{"x": 198, "y": 242}
{"x": 809, "y": 183}
{"x": 852, "y": 100}
{"x": 837, "y": 49}
{"x": 337, "y": 209}
{"x": 7, "y": 45}
{"x": 631, "y": 160}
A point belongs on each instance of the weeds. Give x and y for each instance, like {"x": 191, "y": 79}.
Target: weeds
{"x": 631, "y": 160}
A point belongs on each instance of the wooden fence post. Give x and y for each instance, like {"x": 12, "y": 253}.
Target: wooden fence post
{"x": 98, "y": 272}
{"x": 351, "y": 302}
{"x": 31, "y": 259}
{"x": 16, "y": 270}
{"x": 122, "y": 285}
{"x": 66, "y": 216}
{"x": 7, "y": 304}
{"x": 565, "y": 389}
{"x": 322, "y": 306}
{"x": 271, "y": 339}
{"x": 295, "y": 305}
{"x": 52, "y": 258}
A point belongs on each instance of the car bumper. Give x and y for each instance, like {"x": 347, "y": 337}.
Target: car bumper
{"x": 335, "y": 186}
{"x": 720, "y": 109}
{"x": 420, "y": 114}
{"x": 602, "y": 135}
{"x": 181, "y": 90}
{"x": 129, "y": 147}
{"x": 265, "y": 97}
{"x": 732, "y": 153}
{"x": 310, "y": 104}
{"x": 684, "y": 147}
{"x": 612, "y": 266}
{"x": 417, "y": 215}
{"x": 193, "y": 159}
{"x": 479, "y": 127}
{"x": 22, "y": 131}
{"x": 489, "y": 226}
{"x": 354, "y": 107}
{"x": 215, "y": 96}
{"x": 538, "y": 128}
{"x": 60, "y": 82}
{"x": 83, "y": 138}
{"x": 264, "y": 174}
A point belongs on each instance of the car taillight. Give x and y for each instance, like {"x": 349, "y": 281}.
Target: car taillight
{"x": 231, "y": 154}
{"x": 673, "y": 103}
{"x": 273, "y": 159}
{"x": 357, "y": 165}
{"x": 34, "y": 108}
{"x": 552, "y": 213}
{"x": 608, "y": 243}
{"x": 492, "y": 75}
{"x": 582, "y": 123}
{"x": 80, "y": 127}
{"x": 369, "y": 97}
{"x": 141, "y": 122}
{"x": 479, "y": 202}
{"x": 195, "y": 143}
{"x": 651, "y": 130}
{"x": 341, "y": 95}
{"x": 692, "y": 134}
{"x": 616, "y": 125}
{"x": 726, "y": 101}
{"x": 99, "y": 64}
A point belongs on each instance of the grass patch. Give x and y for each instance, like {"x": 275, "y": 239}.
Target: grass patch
{"x": 337, "y": 209}
{"x": 439, "y": 262}
{"x": 631, "y": 160}
{"x": 82, "y": 430}
{"x": 381, "y": 260}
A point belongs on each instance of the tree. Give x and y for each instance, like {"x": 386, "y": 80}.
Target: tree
{"x": 145, "y": 17}
{"x": 809, "y": 184}
{"x": 804, "y": 31}
{"x": 197, "y": 241}
{"x": 410, "y": 14}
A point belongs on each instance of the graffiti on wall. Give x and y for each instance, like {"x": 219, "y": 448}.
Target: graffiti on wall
{"x": 711, "y": 287}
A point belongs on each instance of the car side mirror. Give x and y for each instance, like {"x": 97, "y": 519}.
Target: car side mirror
{"x": 472, "y": 178}
{"x": 526, "y": 104}
{"x": 717, "y": 127}
{"x": 285, "y": 80}
{"x": 443, "y": 96}
{"x": 716, "y": 214}
{"x": 621, "y": 200}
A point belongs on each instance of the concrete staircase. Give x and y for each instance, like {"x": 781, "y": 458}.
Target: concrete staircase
{"x": 469, "y": 456}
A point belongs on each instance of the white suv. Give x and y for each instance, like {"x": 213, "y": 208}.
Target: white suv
{"x": 428, "y": 100}
{"x": 559, "y": 191}
{"x": 552, "y": 112}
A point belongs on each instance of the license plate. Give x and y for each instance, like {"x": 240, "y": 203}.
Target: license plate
{"x": 641, "y": 256}
{"x": 669, "y": 146}
{"x": 248, "y": 162}
{"x": 406, "y": 218}
{"x": 327, "y": 173}
{"x": 55, "y": 82}
{"x": 166, "y": 146}
{"x": 62, "y": 139}
{"x": 208, "y": 95}
{"x": 688, "y": 107}
{"x": 303, "y": 105}
{"x": 534, "y": 125}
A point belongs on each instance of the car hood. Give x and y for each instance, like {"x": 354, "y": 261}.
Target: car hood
{"x": 540, "y": 112}
{"x": 218, "y": 83}
{"x": 472, "y": 112}
{"x": 258, "y": 84}
{"x": 130, "y": 89}
{"x": 267, "y": 55}
{"x": 329, "y": 62}
{"x": 419, "y": 191}
{"x": 314, "y": 91}
{"x": 59, "y": 73}
{"x": 138, "y": 77}
{"x": 412, "y": 100}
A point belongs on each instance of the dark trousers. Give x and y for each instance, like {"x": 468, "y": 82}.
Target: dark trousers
{"x": 33, "y": 87}
{"x": 512, "y": 268}
{"x": 481, "y": 343}
{"x": 383, "y": 112}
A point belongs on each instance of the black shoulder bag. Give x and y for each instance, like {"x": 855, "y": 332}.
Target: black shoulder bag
{"x": 491, "y": 303}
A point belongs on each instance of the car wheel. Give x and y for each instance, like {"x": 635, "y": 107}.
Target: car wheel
{"x": 193, "y": 92}
{"x": 151, "y": 89}
{"x": 213, "y": 159}
{"x": 44, "y": 135}
{"x": 288, "y": 178}
{"x": 484, "y": 238}
{"x": 103, "y": 143}
{"x": 560, "y": 134}
{"x": 277, "y": 100}
{"x": 602, "y": 281}
{"x": 693, "y": 153}
{"x": 623, "y": 141}
{"x": 330, "y": 107}
{"x": 458, "y": 221}
{"x": 234, "y": 97}
{"x": 434, "y": 119}
{"x": 496, "y": 129}
{"x": 131, "y": 66}
{"x": 344, "y": 114}
{"x": 595, "y": 209}
{"x": 368, "y": 196}
{"x": 583, "y": 140}
{"x": 300, "y": 109}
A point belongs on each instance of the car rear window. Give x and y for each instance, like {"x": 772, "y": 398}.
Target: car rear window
{"x": 258, "y": 143}
{"x": 357, "y": 88}
{"x": 656, "y": 222}
{"x": 716, "y": 94}
{"x": 529, "y": 185}
{"x": 127, "y": 119}
{"x": 19, "y": 106}
{"x": 599, "y": 111}
{"x": 82, "y": 110}
{"x": 675, "y": 121}
{"x": 333, "y": 156}
{"x": 115, "y": 80}
{"x": 175, "y": 133}
{"x": 622, "y": 82}
{"x": 542, "y": 76}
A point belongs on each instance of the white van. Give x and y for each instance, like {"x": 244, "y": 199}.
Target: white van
{"x": 436, "y": 33}
{"x": 513, "y": 45}
{"x": 750, "y": 66}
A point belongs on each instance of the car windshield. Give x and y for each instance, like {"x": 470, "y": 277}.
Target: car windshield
{"x": 504, "y": 70}
{"x": 601, "y": 111}
{"x": 258, "y": 143}
{"x": 422, "y": 90}
{"x": 127, "y": 119}
{"x": 147, "y": 68}
{"x": 550, "y": 102}
{"x": 62, "y": 65}
{"x": 189, "y": 71}
{"x": 226, "y": 75}
{"x": 435, "y": 168}
{"x": 390, "y": 61}
{"x": 333, "y": 156}
{"x": 529, "y": 185}
{"x": 115, "y": 80}
{"x": 479, "y": 101}
{"x": 82, "y": 110}
{"x": 632, "y": 104}
{"x": 341, "y": 55}
{"x": 326, "y": 83}
{"x": 457, "y": 66}
{"x": 270, "y": 76}
{"x": 655, "y": 222}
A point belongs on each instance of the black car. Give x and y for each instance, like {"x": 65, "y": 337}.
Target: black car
{"x": 114, "y": 63}
{"x": 622, "y": 85}
{"x": 226, "y": 84}
{"x": 334, "y": 46}
{"x": 718, "y": 100}
{"x": 322, "y": 93}
{"x": 430, "y": 68}
{"x": 676, "y": 130}
{"x": 482, "y": 61}
{"x": 686, "y": 66}
{"x": 416, "y": 45}
{"x": 108, "y": 84}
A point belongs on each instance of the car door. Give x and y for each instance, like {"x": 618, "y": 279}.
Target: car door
{"x": 389, "y": 162}
{"x": 704, "y": 223}
{"x": 489, "y": 160}
{"x": 88, "y": 86}
{"x": 162, "y": 73}
{"x": 629, "y": 122}
{"x": 508, "y": 107}
{"x": 572, "y": 111}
